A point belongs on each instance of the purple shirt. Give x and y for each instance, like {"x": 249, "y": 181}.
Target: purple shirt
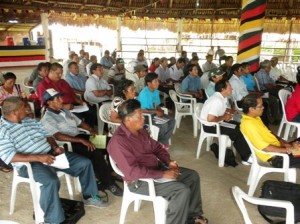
{"x": 137, "y": 156}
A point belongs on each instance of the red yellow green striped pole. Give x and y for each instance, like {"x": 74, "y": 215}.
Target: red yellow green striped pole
{"x": 251, "y": 29}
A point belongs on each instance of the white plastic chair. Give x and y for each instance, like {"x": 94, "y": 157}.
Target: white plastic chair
{"x": 8, "y": 222}
{"x": 25, "y": 83}
{"x": 239, "y": 196}
{"x": 197, "y": 111}
{"x": 224, "y": 140}
{"x": 160, "y": 204}
{"x": 259, "y": 168}
{"x": 104, "y": 114}
{"x": 35, "y": 190}
{"x": 184, "y": 106}
{"x": 283, "y": 96}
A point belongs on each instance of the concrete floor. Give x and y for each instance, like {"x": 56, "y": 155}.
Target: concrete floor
{"x": 218, "y": 203}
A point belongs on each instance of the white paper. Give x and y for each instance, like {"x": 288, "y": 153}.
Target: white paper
{"x": 61, "y": 162}
{"x": 80, "y": 108}
{"x": 228, "y": 125}
{"x": 163, "y": 180}
{"x": 160, "y": 120}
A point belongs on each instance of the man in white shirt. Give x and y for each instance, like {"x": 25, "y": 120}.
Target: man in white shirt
{"x": 97, "y": 90}
{"x": 237, "y": 83}
{"x": 215, "y": 110}
{"x": 93, "y": 60}
{"x": 208, "y": 65}
{"x": 116, "y": 72}
{"x": 276, "y": 74}
{"x": 176, "y": 71}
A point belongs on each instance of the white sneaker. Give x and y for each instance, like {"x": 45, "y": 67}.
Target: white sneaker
{"x": 248, "y": 162}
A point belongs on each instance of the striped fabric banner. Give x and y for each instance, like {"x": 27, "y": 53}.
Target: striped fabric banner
{"x": 251, "y": 29}
{"x": 15, "y": 56}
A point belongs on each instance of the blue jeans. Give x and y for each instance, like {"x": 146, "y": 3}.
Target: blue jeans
{"x": 46, "y": 175}
{"x": 166, "y": 130}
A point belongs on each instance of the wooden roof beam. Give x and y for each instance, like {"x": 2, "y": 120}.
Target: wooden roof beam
{"x": 129, "y": 3}
{"x": 171, "y": 4}
{"x": 108, "y": 3}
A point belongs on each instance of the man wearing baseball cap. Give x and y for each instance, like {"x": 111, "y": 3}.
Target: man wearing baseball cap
{"x": 64, "y": 126}
{"x": 214, "y": 76}
{"x": 116, "y": 72}
{"x": 138, "y": 77}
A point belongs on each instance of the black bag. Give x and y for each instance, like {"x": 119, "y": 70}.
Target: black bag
{"x": 229, "y": 156}
{"x": 280, "y": 190}
{"x": 74, "y": 210}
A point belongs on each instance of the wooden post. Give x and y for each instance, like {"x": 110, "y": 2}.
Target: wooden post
{"x": 179, "y": 35}
{"x": 119, "y": 38}
{"x": 45, "y": 22}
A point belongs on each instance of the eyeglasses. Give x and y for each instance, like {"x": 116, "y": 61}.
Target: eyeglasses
{"x": 260, "y": 107}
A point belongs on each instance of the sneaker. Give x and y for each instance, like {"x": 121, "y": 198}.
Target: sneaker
{"x": 95, "y": 201}
{"x": 248, "y": 162}
{"x": 115, "y": 189}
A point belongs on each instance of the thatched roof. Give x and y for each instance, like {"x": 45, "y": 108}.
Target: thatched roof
{"x": 150, "y": 14}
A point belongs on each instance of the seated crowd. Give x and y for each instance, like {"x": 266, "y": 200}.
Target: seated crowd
{"x": 69, "y": 94}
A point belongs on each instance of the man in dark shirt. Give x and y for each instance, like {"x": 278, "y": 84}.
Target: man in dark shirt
{"x": 139, "y": 156}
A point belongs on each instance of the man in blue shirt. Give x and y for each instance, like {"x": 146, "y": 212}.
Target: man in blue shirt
{"x": 75, "y": 79}
{"x": 150, "y": 103}
{"x": 192, "y": 85}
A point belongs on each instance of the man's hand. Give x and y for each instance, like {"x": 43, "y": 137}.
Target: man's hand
{"x": 46, "y": 158}
{"x": 173, "y": 165}
{"x": 59, "y": 150}
{"x": 227, "y": 116}
{"x": 159, "y": 113}
{"x": 171, "y": 173}
{"x": 88, "y": 144}
{"x": 93, "y": 132}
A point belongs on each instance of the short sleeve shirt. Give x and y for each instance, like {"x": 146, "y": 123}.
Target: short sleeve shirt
{"x": 263, "y": 78}
{"x": 76, "y": 81}
{"x": 163, "y": 74}
{"x": 149, "y": 100}
{"x": 239, "y": 89}
{"x": 214, "y": 105}
{"x": 176, "y": 73}
{"x": 191, "y": 84}
{"x": 116, "y": 74}
{"x": 96, "y": 83}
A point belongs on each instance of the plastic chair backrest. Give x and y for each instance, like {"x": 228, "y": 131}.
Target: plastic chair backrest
{"x": 283, "y": 96}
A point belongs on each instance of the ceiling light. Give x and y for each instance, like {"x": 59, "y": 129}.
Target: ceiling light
{"x": 13, "y": 21}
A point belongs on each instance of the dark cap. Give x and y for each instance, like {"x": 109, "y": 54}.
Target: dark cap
{"x": 140, "y": 68}
{"x": 120, "y": 61}
{"x": 215, "y": 72}
{"x": 50, "y": 94}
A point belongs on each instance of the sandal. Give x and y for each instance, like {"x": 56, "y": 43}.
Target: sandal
{"x": 6, "y": 169}
{"x": 200, "y": 220}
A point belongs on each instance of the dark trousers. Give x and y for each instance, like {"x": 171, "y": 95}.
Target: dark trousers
{"x": 90, "y": 116}
{"x": 277, "y": 161}
{"x": 236, "y": 136}
{"x": 183, "y": 195}
{"x": 101, "y": 168}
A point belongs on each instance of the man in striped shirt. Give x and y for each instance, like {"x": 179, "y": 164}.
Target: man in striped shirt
{"x": 25, "y": 140}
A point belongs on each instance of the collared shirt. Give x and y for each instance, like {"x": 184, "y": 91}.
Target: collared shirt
{"x": 275, "y": 73}
{"x": 139, "y": 83}
{"x": 263, "y": 78}
{"x": 61, "y": 121}
{"x": 106, "y": 62}
{"x": 137, "y": 156}
{"x": 76, "y": 81}
{"x": 239, "y": 89}
{"x": 210, "y": 90}
{"x": 163, "y": 74}
{"x": 292, "y": 107}
{"x": 116, "y": 74}
{"x": 60, "y": 86}
{"x": 96, "y": 83}
{"x": 258, "y": 134}
{"x": 191, "y": 84}
{"x": 176, "y": 73}
{"x": 208, "y": 66}
{"x": 249, "y": 81}
{"x": 214, "y": 105}
{"x": 149, "y": 100}
{"x": 37, "y": 81}
{"x": 27, "y": 137}
{"x": 88, "y": 68}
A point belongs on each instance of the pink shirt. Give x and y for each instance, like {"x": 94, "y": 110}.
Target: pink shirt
{"x": 292, "y": 107}
{"x": 4, "y": 94}
{"x": 137, "y": 156}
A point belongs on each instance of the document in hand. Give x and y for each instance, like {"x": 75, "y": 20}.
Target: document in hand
{"x": 61, "y": 162}
{"x": 227, "y": 125}
{"x": 160, "y": 120}
{"x": 80, "y": 108}
{"x": 99, "y": 141}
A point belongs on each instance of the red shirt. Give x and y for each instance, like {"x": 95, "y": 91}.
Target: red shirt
{"x": 152, "y": 68}
{"x": 60, "y": 86}
{"x": 136, "y": 156}
{"x": 292, "y": 107}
